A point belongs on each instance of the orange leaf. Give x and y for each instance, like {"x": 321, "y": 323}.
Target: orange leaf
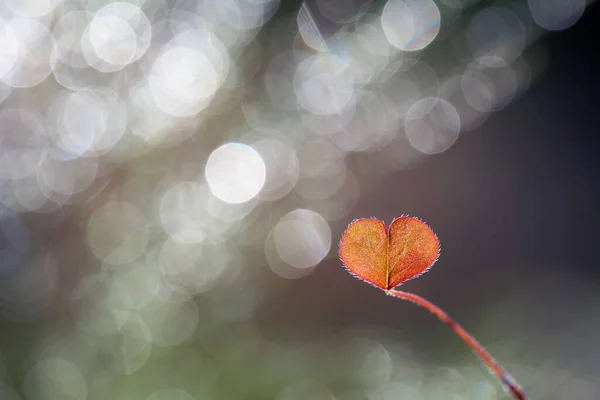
{"x": 386, "y": 258}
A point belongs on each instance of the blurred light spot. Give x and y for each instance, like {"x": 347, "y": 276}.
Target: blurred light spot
{"x": 119, "y": 33}
{"x": 263, "y": 116}
{"x": 238, "y": 296}
{"x": 77, "y": 78}
{"x": 478, "y": 94}
{"x": 375, "y": 365}
{"x": 302, "y": 238}
{"x": 406, "y": 368}
{"x": 246, "y": 14}
{"x": 117, "y": 233}
{"x": 399, "y": 154}
{"x": 71, "y": 346}
{"x": 230, "y": 213}
{"x": 324, "y": 185}
{"x": 369, "y": 128}
{"x": 486, "y": 391}
{"x": 170, "y": 394}
{"x": 135, "y": 344}
{"x": 187, "y": 73}
{"x": 89, "y": 286}
{"x": 235, "y": 173}
{"x": 113, "y": 39}
{"x": 171, "y": 324}
{"x": 55, "y": 379}
{"x": 496, "y": 32}
{"x": 182, "y": 213}
{"x": 419, "y": 73}
{"x": 362, "y": 63}
{"x": 399, "y": 94}
{"x": 32, "y": 8}
{"x": 309, "y": 30}
{"x": 168, "y": 293}
{"x": 95, "y": 316}
{"x": 98, "y": 319}
{"x": 188, "y": 265}
{"x": 454, "y": 91}
{"x": 90, "y": 120}
{"x": 278, "y": 80}
{"x": 29, "y": 196}
{"x": 489, "y": 84}
{"x": 25, "y": 49}
{"x": 449, "y": 383}
{"x": 322, "y": 170}
{"x": 66, "y": 178}
{"x": 24, "y": 141}
{"x": 339, "y": 205}
{"x": 67, "y": 32}
{"x": 277, "y": 265}
{"x": 323, "y": 85}
{"x": 192, "y": 14}
{"x": 327, "y": 124}
{"x": 524, "y": 70}
{"x": 182, "y": 81}
{"x": 410, "y": 25}
{"x": 556, "y": 15}
{"x": 281, "y": 168}
{"x": 9, "y": 50}
{"x": 134, "y": 288}
{"x": 372, "y": 37}
{"x": 153, "y": 125}
{"x": 432, "y": 125}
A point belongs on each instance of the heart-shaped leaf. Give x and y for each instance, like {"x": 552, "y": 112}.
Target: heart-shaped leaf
{"x": 386, "y": 258}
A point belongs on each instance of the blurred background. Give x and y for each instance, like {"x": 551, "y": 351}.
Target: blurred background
{"x": 175, "y": 177}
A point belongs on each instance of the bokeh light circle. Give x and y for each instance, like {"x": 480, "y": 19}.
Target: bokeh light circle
{"x": 55, "y": 379}
{"x": 432, "y": 125}
{"x": 556, "y": 15}
{"x": 26, "y": 46}
{"x": 117, "y": 233}
{"x": 32, "y": 8}
{"x": 324, "y": 85}
{"x": 235, "y": 173}
{"x": 410, "y": 25}
{"x": 302, "y": 238}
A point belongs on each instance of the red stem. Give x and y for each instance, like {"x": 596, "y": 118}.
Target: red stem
{"x": 511, "y": 385}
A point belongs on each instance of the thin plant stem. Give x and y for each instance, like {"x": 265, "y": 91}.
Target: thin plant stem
{"x": 509, "y": 383}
